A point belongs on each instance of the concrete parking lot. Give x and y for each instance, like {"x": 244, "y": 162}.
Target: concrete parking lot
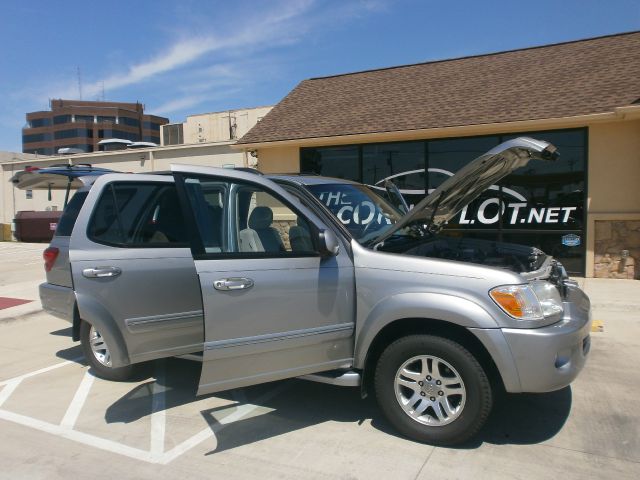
{"x": 58, "y": 421}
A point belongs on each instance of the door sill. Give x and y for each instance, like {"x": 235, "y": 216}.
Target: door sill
{"x": 194, "y": 357}
{"x": 341, "y": 378}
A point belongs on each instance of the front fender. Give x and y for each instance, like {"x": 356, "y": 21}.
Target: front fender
{"x": 94, "y": 313}
{"x": 436, "y": 306}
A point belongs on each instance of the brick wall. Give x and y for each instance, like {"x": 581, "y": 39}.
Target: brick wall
{"x": 612, "y": 237}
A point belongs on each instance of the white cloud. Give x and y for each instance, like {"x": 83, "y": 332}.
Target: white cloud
{"x": 206, "y": 58}
{"x": 272, "y": 28}
{"x": 177, "y": 104}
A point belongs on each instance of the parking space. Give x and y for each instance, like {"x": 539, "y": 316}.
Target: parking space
{"x": 58, "y": 421}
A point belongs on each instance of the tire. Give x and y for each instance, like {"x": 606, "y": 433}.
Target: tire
{"x": 99, "y": 359}
{"x": 463, "y": 398}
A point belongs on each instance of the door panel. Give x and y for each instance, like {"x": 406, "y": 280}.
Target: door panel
{"x": 133, "y": 269}
{"x": 287, "y": 311}
{"x": 297, "y": 318}
{"x": 155, "y": 302}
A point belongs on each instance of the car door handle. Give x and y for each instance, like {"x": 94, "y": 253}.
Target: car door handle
{"x": 236, "y": 283}
{"x": 100, "y": 272}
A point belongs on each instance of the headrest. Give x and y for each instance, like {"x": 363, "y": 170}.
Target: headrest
{"x": 261, "y": 217}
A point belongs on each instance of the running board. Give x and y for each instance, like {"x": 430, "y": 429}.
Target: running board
{"x": 342, "y": 378}
{"x": 195, "y": 357}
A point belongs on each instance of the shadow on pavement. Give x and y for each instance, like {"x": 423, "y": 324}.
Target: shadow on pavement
{"x": 525, "y": 418}
{"x": 516, "y": 419}
{"x": 63, "y": 332}
{"x": 72, "y": 353}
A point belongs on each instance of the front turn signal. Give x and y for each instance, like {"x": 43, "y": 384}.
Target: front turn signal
{"x": 517, "y": 301}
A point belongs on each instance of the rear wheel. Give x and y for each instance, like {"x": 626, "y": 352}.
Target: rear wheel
{"x": 98, "y": 355}
{"x": 432, "y": 389}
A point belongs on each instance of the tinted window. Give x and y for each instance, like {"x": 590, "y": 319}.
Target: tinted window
{"x": 402, "y": 163}
{"x": 125, "y": 135}
{"x": 73, "y": 133}
{"x": 36, "y": 137}
{"x": 40, "y": 122}
{"x": 132, "y": 122}
{"x": 258, "y": 224}
{"x": 138, "y": 215}
{"x": 540, "y": 204}
{"x": 70, "y": 214}
{"x": 61, "y": 119}
{"x": 338, "y": 162}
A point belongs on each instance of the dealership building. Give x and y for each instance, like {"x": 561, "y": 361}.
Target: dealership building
{"x": 418, "y": 124}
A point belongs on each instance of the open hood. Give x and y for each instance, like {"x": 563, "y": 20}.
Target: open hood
{"x": 470, "y": 181}
{"x": 57, "y": 177}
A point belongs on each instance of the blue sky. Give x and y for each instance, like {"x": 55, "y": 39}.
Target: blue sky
{"x": 186, "y": 57}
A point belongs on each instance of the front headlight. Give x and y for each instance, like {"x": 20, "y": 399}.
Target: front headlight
{"x": 549, "y": 298}
{"x": 533, "y": 301}
{"x": 517, "y": 301}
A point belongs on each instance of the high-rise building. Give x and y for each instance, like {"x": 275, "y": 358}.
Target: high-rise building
{"x": 81, "y": 124}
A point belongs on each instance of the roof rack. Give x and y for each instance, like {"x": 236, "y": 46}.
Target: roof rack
{"x": 249, "y": 170}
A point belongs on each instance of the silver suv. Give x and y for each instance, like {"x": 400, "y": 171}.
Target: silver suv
{"x": 270, "y": 277}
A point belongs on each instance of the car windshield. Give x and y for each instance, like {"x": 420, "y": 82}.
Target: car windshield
{"x": 360, "y": 209}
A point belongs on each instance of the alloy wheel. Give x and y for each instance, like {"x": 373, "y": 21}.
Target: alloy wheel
{"x": 99, "y": 347}
{"x": 430, "y": 390}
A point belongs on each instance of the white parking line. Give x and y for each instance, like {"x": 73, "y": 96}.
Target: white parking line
{"x": 158, "y": 416}
{"x": 76, "y": 436}
{"x": 73, "y": 412}
{"x": 42, "y": 370}
{"x": 240, "y": 413}
{"x": 8, "y": 390}
{"x": 156, "y": 454}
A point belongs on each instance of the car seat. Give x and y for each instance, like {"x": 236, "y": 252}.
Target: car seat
{"x": 260, "y": 236}
{"x": 299, "y": 237}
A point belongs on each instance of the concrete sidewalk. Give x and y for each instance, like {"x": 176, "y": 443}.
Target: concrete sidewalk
{"x": 21, "y": 271}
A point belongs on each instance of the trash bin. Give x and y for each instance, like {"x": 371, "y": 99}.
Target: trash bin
{"x": 36, "y": 226}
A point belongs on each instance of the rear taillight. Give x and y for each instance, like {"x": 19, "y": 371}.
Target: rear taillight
{"x": 50, "y": 255}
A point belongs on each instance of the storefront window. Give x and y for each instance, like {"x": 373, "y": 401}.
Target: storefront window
{"x": 338, "y": 162}
{"x": 541, "y": 204}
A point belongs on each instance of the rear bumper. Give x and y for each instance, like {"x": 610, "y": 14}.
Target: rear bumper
{"x": 550, "y": 358}
{"x": 58, "y": 301}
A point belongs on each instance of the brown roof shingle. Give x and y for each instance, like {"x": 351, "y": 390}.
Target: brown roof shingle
{"x": 554, "y": 81}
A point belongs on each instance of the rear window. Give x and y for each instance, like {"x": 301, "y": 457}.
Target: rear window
{"x": 138, "y": 215}
{"x": 70, "y": 214}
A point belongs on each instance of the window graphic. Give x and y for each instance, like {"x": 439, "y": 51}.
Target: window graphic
{"x": 540, "y": 205}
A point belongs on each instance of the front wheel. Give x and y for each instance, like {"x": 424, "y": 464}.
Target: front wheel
{"x": 98, "y": 355}
{"x": 432, "y": 389}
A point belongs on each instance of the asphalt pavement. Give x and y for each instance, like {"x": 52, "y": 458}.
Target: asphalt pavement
{"x": 58, "y": 421}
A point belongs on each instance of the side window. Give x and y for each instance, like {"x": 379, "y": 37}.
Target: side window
{"x": 266, "y": 225}
{"x": 242, "y": 219}
{"x": 70, "y": 214}
{"x": 138, "y": 215}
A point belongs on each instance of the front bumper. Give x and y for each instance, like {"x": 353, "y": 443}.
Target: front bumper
{"x": 550, "y": 358}
{"x": 57, "y": 300}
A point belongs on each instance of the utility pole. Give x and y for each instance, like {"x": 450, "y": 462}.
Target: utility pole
{"x": 79, "y": 82}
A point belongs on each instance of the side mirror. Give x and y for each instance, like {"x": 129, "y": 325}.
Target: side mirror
{"x": 328, "y": 243}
